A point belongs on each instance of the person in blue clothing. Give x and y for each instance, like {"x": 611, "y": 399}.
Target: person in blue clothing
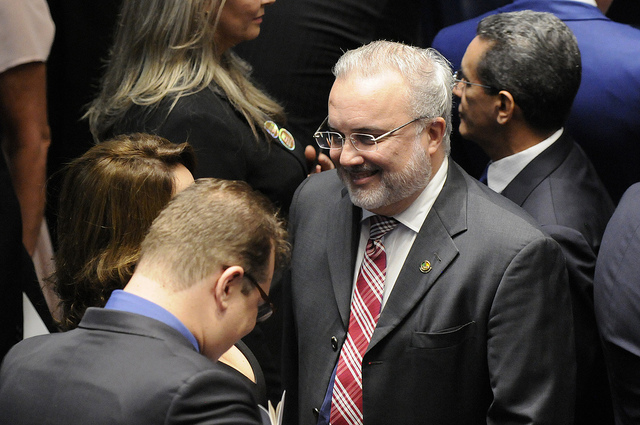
{"x": 604, "y": 117}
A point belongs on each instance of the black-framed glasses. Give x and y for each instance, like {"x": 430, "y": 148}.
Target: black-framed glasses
{"x": 266, "y": 309}
{"x": 360, "y": 141}
{"x": 458, "y": 77}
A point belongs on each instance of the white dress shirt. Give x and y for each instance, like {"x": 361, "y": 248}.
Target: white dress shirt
{"x": 591, "y": 2}
{"x": 501, "y": 172}
{"x": 398, "y": 242}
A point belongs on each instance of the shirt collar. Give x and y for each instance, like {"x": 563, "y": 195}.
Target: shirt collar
{"x": 126, "y": 301}
{"x": 591, "y": 2}
{"x": 501, "y": 172}
{"x": 414, "y": 216}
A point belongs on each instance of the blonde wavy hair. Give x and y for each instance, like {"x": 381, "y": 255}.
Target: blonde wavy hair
{"x": 166, "y": 49}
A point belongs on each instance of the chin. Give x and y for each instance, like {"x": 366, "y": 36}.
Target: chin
{"x": 369, "y": 199}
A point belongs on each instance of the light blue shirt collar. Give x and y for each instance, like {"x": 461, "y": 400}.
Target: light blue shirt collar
{"x": 125, "y": 301}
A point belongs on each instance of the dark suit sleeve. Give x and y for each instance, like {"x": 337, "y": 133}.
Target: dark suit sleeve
{"x": 530, "y": 346}
{"x": 581, "y": 263}
{"x": 617, "y": 305}
{"x": 213, "y": 397}
{"x": 592, "y": 390}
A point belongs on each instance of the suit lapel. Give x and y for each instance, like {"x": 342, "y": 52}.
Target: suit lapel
{"x": 342, "y": 252}
{"x": 537, "y": 170}
{"x": 434, "y": 243}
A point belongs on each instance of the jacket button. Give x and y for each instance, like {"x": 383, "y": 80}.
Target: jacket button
{"x": 334, "y": 343}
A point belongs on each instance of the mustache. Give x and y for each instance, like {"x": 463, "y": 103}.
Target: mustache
{"x": 362, "y": 168}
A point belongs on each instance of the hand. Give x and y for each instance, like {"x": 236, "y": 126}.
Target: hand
{"x": 317, "y": 164}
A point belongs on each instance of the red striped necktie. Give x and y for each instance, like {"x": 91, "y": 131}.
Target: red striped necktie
{"x": 346, "y": 405}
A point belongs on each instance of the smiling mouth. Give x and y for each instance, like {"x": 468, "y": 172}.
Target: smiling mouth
{"x": 361, "y": 176}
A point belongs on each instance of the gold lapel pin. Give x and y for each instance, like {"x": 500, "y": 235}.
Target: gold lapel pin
{"x": 425, "y": 267}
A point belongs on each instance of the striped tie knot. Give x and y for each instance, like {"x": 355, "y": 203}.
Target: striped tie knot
{"x": 379, "y": 226}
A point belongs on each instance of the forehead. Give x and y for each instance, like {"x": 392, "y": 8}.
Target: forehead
{"x": 472, "y": 56}
{"x": 357, "y": 100}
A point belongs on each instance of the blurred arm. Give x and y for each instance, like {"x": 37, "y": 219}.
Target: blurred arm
{"x": 26, "y": 140}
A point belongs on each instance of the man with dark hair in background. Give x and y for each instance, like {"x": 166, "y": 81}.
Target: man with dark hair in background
{"x": 516, "y": 84}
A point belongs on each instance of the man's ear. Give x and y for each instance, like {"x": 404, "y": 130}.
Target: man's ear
{"x": 506, "y": 107}
{"x": 227, "y": 285}
{"x": 436, "y": 131}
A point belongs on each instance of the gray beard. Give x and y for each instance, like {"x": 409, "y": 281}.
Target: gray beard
{"x": 394, "y": 186}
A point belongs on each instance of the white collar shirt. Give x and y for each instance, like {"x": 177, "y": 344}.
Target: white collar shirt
{"x": 398, "y": 242}
{"x": 501, "y": 172}
{"x": 590, "y": 2}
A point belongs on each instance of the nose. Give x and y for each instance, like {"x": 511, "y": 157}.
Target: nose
{"x": 349, "y": 155}
{"x": 268, "y": 2}
{"x": 457, "y": 89}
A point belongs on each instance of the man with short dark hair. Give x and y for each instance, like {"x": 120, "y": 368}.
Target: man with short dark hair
{"x": 604, "y": 117}
{"x": 516, "y": 85}
{"x": 417, "y": 295}
{"x": 146, "y": 358}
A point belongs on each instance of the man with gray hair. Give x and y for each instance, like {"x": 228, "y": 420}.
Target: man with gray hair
{"x": 416, "y": 294}
{"x": 148, "y": 356}
{"x": 517, "y": 82}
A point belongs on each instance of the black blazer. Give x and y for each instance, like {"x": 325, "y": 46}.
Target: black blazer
{"x": 120, "y": 368}
{"x": 485, "y": 336}
{"x": 224, "y": 144}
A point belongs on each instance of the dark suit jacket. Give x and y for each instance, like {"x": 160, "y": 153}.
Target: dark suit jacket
{"x": 120, "y": 368}
{"x": 562, "y": 191}
{"x": 617, "y": 304}
{"x": 608, "y": 94}
{"x": 484, "y": 337}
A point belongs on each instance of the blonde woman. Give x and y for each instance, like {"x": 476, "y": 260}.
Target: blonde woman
{"x": 171, "y": 72}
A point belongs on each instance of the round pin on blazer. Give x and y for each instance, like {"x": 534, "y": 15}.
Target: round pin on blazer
{"x": 425, "y": 267}
{"x": 282, "y": 134}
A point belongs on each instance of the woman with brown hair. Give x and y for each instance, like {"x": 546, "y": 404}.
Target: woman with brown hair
{"x": 109, "y": 198}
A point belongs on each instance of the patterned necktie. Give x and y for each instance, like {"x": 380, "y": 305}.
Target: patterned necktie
{"x": 346, "y": 405}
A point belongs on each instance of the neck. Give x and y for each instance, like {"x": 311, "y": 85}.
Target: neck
{"x": 149, "y": 289}
{"x": 177, "y": 302}
{"x": 516, "y": 138}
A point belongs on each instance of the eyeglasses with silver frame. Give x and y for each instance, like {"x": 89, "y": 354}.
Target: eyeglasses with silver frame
{"x": 458, "y": 77}
{"x": 360, "y": 141}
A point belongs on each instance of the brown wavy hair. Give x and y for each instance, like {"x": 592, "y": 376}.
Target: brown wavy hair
{"x": 109, "y": 197}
